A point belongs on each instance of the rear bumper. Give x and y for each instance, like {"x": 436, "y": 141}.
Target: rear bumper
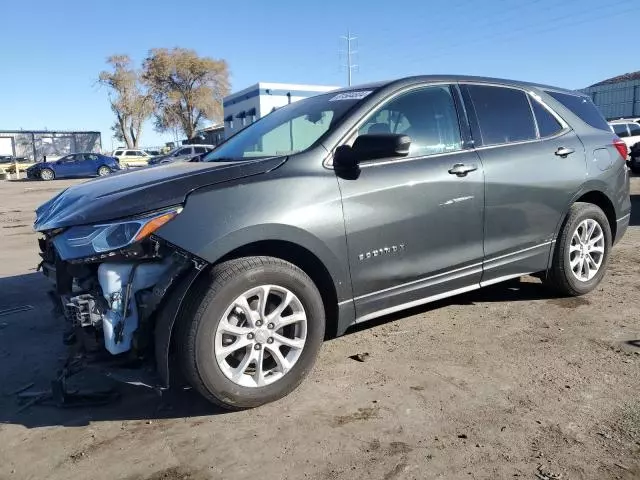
{"x": 621, "y": 227}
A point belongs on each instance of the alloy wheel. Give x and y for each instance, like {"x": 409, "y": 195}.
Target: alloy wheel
{"x": 260, "y": 336}
{"x": 587, "y": 249}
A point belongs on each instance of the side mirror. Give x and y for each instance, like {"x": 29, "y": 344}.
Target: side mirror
{"x": 371, "y": 147}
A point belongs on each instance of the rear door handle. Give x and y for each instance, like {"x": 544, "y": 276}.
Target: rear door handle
{"x": 564, "y": 152}
{"x": 461, "y": 170}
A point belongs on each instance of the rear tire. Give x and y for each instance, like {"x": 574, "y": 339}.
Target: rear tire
{"x": 213, "y": 322}
{"x": 47, "y": 174}
{"x": 581, "y": 252}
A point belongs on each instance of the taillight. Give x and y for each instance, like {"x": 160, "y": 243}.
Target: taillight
{"x": 621, "y": 147}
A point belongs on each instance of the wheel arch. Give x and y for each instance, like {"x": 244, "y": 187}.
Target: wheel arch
{"x": 304, "y": 259}
{"x": 332, "y": 283}
{"x": 596, "y": 196}
{"x": 601, "y": 200}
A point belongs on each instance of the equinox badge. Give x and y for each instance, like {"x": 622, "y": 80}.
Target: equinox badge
{"x": 381, "y": 251}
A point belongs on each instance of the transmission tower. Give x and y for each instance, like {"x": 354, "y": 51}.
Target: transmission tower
{"x": 350, "y": 53}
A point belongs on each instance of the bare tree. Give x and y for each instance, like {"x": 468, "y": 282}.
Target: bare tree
{"x": 186, "y": 88}
{"x": 131, "y": 105}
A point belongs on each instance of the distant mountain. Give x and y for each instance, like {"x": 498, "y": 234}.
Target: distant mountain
{"x": 620, "y": 78}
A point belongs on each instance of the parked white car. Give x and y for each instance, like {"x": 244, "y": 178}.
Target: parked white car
{"x": 132, "y": 157}
{"x": 629, "y": 131}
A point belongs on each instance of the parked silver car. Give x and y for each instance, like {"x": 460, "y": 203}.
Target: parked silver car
{"x": 182, "y": 154}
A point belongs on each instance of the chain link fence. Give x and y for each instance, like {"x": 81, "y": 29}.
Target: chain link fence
{"x": 35, "y": 145}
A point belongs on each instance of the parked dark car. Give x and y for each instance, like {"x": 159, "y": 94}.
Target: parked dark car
{"x": 73, "y": 166}
{"x": 331, "y": 211}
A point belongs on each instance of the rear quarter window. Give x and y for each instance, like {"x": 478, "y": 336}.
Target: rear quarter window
{"x": 118, "y": 153}
{"x": 547, "y": 123}
{"x": 582, "y": 107}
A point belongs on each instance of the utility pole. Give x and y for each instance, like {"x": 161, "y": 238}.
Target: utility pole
{"x": 350, "y": 66}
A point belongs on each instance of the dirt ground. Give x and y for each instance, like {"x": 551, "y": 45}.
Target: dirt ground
{"x": 505, "y": 382}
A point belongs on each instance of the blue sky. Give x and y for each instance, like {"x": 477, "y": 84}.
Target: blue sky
{"x": 52, "y": 52}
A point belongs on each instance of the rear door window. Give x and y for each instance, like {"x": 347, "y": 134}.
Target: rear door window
{"x": 131, "y": 153}
{"x": 199, "y": 149}
{"x": 184, "y": 151}
{"x": 548, "y": 125}
{"x": 620, "y": 129}
{"x": 583, "y": 107}
{"x": 634, "y": 129}
{"x": 504, "y": 114}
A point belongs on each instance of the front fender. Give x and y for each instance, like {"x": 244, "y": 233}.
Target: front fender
{"x": 304, "y": 209}
{"x": 287, "y": 233}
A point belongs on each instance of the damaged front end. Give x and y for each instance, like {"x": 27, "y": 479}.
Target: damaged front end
{"x": 119, "y": 288}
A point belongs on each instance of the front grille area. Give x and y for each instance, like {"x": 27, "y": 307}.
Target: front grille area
{"x": 47, "y": 250}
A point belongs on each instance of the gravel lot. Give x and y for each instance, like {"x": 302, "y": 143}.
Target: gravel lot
{"x": 505, "y": 382}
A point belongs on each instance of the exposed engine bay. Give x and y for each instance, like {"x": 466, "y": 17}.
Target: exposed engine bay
{"x": 111, "y": 301}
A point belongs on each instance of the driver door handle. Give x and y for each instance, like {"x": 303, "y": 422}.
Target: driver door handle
{"x": 461, "y": 169}
{"x": 564, "y": 152}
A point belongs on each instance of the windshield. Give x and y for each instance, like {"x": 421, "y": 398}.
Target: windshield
{"x": 290, "y": 129}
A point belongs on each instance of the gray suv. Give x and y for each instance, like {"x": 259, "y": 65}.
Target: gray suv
{"x": 332, "y": 211}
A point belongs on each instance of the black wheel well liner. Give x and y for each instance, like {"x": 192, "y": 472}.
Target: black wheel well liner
{"x": 304, "y": 259}
{"x": 601, "y": 200}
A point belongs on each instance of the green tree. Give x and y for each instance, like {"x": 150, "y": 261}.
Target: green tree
{"x": 186, "y": 88}
{"x": 130, "y": 103}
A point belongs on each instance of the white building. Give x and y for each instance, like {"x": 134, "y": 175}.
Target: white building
{"x": 246, "y": 106}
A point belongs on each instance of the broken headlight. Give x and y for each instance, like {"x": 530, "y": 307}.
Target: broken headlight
{"x": 88, "y": 240}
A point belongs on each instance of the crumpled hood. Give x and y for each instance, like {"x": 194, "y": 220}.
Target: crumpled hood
{"x": 132, "y": 192}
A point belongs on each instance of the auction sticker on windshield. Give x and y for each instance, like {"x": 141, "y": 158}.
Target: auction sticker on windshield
{"x": 359, "y": 95}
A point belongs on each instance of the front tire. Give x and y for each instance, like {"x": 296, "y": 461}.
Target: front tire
{"x": 582, "y": 251}
{"x": 47, "y": 174}
{"x": 103, "y": 171}
{"x": 251, "y": 332}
